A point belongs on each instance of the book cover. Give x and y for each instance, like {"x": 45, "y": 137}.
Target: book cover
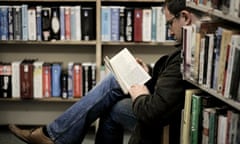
{"x": 138, "y": 16}
{"x": 17, "y": 22}
{"x": 46, "y": 14}
{"x": 16, "y": 79}
{"x": 5, "y": 80}
{"x": 55, "y": 24}
{"x": 28, "y": 21}
{"x": 88, "y": 23}
{"x": 10, "y": 22}
{"x": 106, "y": 23}
{"x": 129, "y": 24}
{"x": 47, "y": 77}
{"x": 39, "y": 22}
{"x": 146, "y": 25}
{"x": 187, "y": 115}
{"x": 37, "y": 79}
{"x": 26, "y": 79}
{"x": 62, "y": 22}
{"x": 126, "y": 69}
{"x": 67, "y": 24}
{"x": 32, "y": 24}
{"x": 70, "y": 79}
{"x": 77, "y": 80}
{"x": 56, "y": 79}
{"x": 121, "y": 23}
{"x": 4, "y": 23}
{"x": 115, "y": 23}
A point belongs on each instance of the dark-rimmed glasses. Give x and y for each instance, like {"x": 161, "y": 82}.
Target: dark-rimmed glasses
{"x": 170, "y": 22}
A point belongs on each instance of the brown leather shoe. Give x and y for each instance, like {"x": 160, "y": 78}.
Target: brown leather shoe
{"x": 34, "y": 136}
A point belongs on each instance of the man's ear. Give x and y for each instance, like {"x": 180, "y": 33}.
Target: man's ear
{"x": 187, "y": 16}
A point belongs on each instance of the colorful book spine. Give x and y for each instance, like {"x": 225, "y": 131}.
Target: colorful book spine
{"x": 56, "y": 79}
{"x": 114, "y": 23}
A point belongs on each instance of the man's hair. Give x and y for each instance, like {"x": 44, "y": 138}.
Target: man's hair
{"x": 175, "y": 6}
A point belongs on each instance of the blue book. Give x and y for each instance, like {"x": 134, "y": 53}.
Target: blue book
{"x": 106, "y": 23}
{"x": 56, "y": 79}
{"x": 154, "y": 24}
{"x": 17, "y": 22}
{"x": 4, "y": 23}
{"x": 10, "y": 22}
{"x": 70, "y": 80}
{"x": 115, "y": 23}
{"x": 62, "y": 23}
{"x": 24, "y": 22}
{"x": 39, "y": 22}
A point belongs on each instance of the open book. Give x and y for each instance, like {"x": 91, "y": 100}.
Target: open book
{"x": 126, "y": 70}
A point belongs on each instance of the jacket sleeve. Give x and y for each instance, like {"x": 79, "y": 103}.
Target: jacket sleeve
{"x": 168, "y": 96}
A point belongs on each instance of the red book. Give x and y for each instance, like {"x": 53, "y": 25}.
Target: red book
{"x": 77, "y": 80}
{"x": 67, "y": 15}
{"x": 137, "y": 25}
{"x": 46, "y": 82}
{"x": 26, "y": 79}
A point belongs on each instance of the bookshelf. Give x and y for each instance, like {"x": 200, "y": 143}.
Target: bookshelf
{"x": 230, "y": 106}
{"x": 66, "y": 51}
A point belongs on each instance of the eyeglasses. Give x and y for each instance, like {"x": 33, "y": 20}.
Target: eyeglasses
{"x": 170, "y": 22}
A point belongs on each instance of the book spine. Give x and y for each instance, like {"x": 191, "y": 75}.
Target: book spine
{"x": 4, "y": 23}
{"x": 32, "y": 34}
{"x": 147, "y": 25}
{"x": 5, "y": 78}
{"x": 46, "y": 23}
{"x": 114, "y": 23}
{"x": 17, "y": 23}
{"x": 37, "y": 79}
{"x": 27, "y": 23}
{"x": 56, "y": 79}
{"x": 26, "y": 78}
{"x": 106, "y": 23}
{"x": 62, "y": 23}
{"x": 67, "y": 23}
{"x": 77, "y": 80}
{"x": 39, "y": 22}
{"x": 55, "y": 24}
{"x": 129, "y": 24}
{"x": 88, "y": 23}
{"x": 70, "y": 80}
{"x": 47, "y": 77}
{"x": 138, "y": 24}
{"x": 121, "y": 23}
{"x": 10, "y": 22}
{"x": 16, "y": 79}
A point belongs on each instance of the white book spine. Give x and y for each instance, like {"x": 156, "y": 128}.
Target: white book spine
{"x": 16, "y": 79}
{"x": 147, "y": 25}
{"x": 32, "y": 33}
{"x": 37, "y": 79}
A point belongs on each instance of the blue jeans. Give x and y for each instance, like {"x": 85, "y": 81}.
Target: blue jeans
{"x": 105, "y": 101}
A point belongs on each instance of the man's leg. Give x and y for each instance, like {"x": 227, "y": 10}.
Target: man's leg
{"x": 113, "y": 124}
{"x": 72, "y": 125}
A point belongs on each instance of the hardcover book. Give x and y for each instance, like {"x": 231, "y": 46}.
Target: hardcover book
{"x": 56, "y": 79}
{"x": 26, "y": 79}
{"x": 88, "y": 23}
{"x": 126, "y": 70}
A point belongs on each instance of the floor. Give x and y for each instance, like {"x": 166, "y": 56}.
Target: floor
{"x": 7, "y": 138}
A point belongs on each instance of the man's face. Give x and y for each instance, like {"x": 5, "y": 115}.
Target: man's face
{"x": 175, "y": 24}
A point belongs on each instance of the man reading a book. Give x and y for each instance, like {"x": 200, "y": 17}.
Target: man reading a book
{"x": 144, "y": 111}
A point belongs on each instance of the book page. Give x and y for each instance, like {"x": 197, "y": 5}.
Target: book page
{"x": 126, "y": 70}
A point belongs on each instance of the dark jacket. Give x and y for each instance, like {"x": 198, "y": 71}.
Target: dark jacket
{"x": 165, "y": 103}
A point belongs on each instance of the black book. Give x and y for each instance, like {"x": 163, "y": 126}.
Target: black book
{"x": 88, "y": 23}
{"x": 5, "y": 80}
{"x": 55, "y": 24}
{"x": 129, "y": 27}
{"x": 46, "y": 16}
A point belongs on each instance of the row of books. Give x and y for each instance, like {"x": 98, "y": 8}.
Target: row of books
{"x": 136, "y": 24}
{"x": 44, "y": 23}
{"x": 211, "y": 57}
{"x": 228, "y": 7}
{"x": 29, "y": 79}
{"x": 206, "y": 120}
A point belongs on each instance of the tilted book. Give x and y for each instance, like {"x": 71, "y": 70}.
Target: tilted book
{"x": 126, "y": 70}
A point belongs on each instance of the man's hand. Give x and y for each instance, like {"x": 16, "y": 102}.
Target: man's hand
{"x": 144, "y": 65}
{"x": 137, "y": 90}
